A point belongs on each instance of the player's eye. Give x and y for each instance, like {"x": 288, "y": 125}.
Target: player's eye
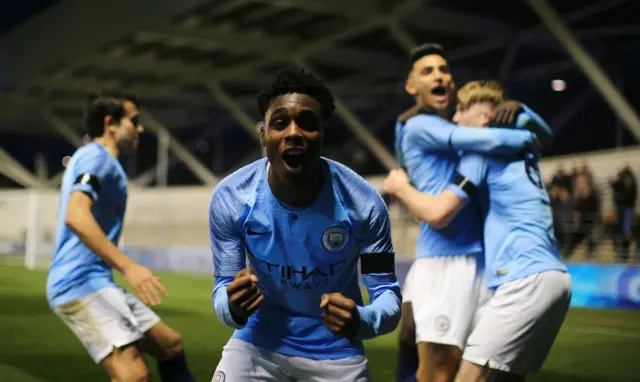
{"x": 426, "y": 71}
{"x": 279, "y": 123}
{"x": 308, "y": 121}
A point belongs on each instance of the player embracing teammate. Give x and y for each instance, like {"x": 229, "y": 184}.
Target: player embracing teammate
{"x": 445, "y": 285}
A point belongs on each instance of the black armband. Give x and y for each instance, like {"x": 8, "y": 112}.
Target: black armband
{"x": 89, "y": 179}
{"x": 377, "y": 263}
{"x": 466, "y": 185}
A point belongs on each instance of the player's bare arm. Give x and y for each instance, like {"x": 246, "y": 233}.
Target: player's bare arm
{"x": 244, "y": 295}
{"x": 437, "y": 210}
{"x": 80, "y": 220}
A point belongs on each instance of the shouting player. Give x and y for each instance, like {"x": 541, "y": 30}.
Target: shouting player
{"x": 305, "y": 222}
{"x": 113, "y": 325}
{"x": 523, "y": 265}
{"x": 441, "y": 289}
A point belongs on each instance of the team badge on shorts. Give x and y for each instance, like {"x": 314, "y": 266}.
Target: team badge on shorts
{"x": 219, "y": 377}
{"x": 442, "y": 323}
{"x": 335, "y": 239}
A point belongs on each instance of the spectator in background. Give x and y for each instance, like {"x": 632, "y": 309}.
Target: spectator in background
{"x": 561, "y": 179}
{"x": 625, "y": 193}
{"x": 586, "y": 212}
{"x": 562, "y": 208}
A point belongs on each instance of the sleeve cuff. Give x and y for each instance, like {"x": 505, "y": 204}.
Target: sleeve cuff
{"x": 221, "y": 306}
{"x": 367, "y": 316}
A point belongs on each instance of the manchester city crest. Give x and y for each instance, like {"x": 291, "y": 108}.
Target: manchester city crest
{"x": 335, "y": 239}
{"x": 219, "y": 377}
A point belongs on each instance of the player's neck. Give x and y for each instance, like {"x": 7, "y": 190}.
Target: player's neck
{"x": 296, "y": 191}
{"x": 109, "y": 145}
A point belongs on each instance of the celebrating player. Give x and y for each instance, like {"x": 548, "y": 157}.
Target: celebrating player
{"x": 532, "y": 288}
{"x": 441, "y": 289}
{"x": 304, "y": 222}
{"x": 113, "y": 325}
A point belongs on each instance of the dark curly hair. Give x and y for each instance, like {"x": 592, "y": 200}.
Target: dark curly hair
{"x": 300, "y": 81}
{"x": 425, "y": 49}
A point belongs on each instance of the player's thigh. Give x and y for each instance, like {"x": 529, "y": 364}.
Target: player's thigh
{"x": 520, "y": 323}
{"x": 243, "y": 362}
{"x": 125, "y": 364}
{"x": 351, "y": 369}
{"x": 407, "y": 332}
{"x": 102, "y": 321}
{"x": 443, "y": 310}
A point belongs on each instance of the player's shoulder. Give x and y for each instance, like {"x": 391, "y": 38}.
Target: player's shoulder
{"x": 355, "y": 192}
{"x": 422, "y": 121}
{"x": 239, "y": 187}
{"x": 91, "y": 151}
{"x": 92, "y": 156}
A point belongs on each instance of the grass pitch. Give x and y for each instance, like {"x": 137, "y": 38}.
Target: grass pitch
{"x": 594, "y": 345}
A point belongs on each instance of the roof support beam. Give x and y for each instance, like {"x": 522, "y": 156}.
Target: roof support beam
{"x": 359, "y": 130}
{"x": 192, "y": 163}
{"x": 61, "y": 127}
{"x": 531, "y": 33}
{"x": 13, "y": 170}
{"x": 71, "y": 28}
{"x": 587, "y": 64}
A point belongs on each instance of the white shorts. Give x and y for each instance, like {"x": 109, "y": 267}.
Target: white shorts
{"x": 446, "y": 295}
{"x": 107, "y": 318}
{"x": 243, "y": 362}
{"x": 520, "y": 323}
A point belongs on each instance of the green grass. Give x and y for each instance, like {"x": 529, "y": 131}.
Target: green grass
{"x": 594, "y": 345}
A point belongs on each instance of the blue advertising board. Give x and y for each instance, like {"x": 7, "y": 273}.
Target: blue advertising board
{"x": 612, "y": 286}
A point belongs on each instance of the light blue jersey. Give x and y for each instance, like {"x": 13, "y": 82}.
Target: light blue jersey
{"x": 518, "y": 227}
{"x": 298, "y": 254}
{"x": 76, "y": 271}
{"x": 429, "y": 149}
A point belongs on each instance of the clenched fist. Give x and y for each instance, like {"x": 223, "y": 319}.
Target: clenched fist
{"x": 340, "y": 314}
{"x": 244, "y": 295}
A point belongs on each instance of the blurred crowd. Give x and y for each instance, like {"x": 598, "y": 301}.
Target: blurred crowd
{"x": 576, "y": 200}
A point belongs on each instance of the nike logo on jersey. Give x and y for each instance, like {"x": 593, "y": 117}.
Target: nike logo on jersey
{"x": 254, "y": 233}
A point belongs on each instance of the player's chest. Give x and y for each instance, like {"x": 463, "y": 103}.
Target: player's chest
{"x": 299, "y": 236}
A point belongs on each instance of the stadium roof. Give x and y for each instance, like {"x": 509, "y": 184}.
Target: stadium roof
{"x": 197, "y": 64}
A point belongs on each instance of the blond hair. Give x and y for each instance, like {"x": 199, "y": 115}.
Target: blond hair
{"x": 480, "y": 91}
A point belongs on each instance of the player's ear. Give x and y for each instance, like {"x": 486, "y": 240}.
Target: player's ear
{"x": 109, "y": 123}
{"x": 487, "y": 117}
{"x": 260, "y": 126}
{"x": 409, "y": 88}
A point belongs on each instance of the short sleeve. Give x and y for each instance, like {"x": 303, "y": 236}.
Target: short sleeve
{"x": 471, "y": 174}
{"x": 91, "y": 170}
{"x": 227, "y": 244}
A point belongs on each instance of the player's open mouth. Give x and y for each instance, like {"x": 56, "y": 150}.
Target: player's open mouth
{"x": 439, "y": 91}
{"x": 294, "y": 158}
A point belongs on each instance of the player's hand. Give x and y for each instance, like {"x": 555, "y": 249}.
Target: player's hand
{"x": 506, "y": 113}
{"x": 395, "y": 181}
{"x": 244, "y": 295}
{"x": 146, "y": 284}
{"x": 340, "y": 314}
